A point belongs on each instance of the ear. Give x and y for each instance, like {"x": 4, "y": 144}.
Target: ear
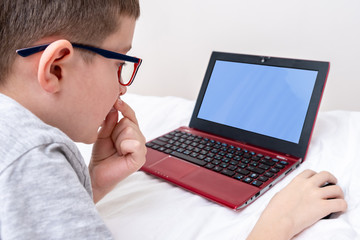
{"x": 52, "y": 65}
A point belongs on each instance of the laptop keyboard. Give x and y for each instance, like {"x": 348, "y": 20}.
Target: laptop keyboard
{"x": 235, "y": 162}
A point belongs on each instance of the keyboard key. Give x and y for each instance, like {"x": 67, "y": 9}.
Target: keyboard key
{"x": 263, "y": 166}
{"x": 257, "y": 183}
{"x": 263, "y": 179}
{"x": 247, "y": 180}
{"x": 269, "y": 163}
{"x": 238, "y": 176}
{"x": 280, "y": 166}
{"x": 269, "y": 174}
{"x": 255, "y": 170}
{"x": 274, "y": 170}
{"x": 189, "y": 158}
{"x": 227, "y": 172}
{"x": 242, "y": 171}
{"x": 217, "y": 168}
{"x": 254, "y": 175}
{"x": 223, "y": 165}
{"x": 232, "y": 167}
{"x": 209, "y": 165}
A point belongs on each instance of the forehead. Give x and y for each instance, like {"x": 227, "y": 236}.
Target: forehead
{"x": 121, "y": 39}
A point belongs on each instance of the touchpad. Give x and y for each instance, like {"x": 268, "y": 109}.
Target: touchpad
{"x": 173, "y": 168}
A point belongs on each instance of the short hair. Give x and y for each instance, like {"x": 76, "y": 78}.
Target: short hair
{"x": 24, "y": 22}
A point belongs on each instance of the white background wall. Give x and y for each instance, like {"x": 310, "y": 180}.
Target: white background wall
{"x": 175, "y": 39}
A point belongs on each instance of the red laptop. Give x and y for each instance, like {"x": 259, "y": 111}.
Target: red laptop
{"x": 251, "y": 125}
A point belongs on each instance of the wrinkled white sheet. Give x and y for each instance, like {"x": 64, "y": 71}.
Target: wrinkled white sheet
{"x": 144, "y": 207}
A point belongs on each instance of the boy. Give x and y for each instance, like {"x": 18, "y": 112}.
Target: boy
{"x": 66, "y": 77}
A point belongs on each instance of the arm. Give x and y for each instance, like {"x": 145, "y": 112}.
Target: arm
{"x": 299, "y": 205}
{"x": 118, "y": 152}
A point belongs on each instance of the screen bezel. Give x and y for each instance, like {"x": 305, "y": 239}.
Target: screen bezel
{"x": 294, "y": 149}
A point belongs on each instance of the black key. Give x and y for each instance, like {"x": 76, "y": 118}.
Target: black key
{"x": 280, "y": 166}
{"x": 149, "y": 144}
{"x": 269, "y": 174}
{"x": 237, "y": 158}
{"x": 163, "y": 139}
{"x": 233, "y": 162}
{"x": 209, "y": 165}
{"x": 227, "y": 172}
{"x": 254, "y": 164}
{"x": 189, "y": 158}
{"x": 187, "y": 152}
{"x": 255, "y": 170}
{"x": 168, "y": 151}
{"x": 269, "y": 163}
{"x": 223, "y": 165}
{"x": 247, "y": 180}
{"x": 242, "y": 165}
{"x": 245, "y": 160}
{"x": 161, "y": 149}
{"x": 158, "y": 142}
{"x": 238, "y": 176}
{"x": 275, "y": 170}
{"x": 257, "y": 183}
{"x": 232, "y": 168}
{"x": 216, "y": 162}
{"x": 217, "y": 169}
{"x": 242, "y": 171}
{"x": 263, "y": 166}
{"x": 263, "y": 179}
{"x": 254, "y": 175}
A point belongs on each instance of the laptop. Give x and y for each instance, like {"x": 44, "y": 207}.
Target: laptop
{"x": 251, "y": 126}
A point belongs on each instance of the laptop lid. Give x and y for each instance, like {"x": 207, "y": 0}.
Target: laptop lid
{"x": 268, "y": 102}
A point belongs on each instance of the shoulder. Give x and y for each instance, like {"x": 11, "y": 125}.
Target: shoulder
{"x": 42, "y": 197}
{"x": 21, "y": 133}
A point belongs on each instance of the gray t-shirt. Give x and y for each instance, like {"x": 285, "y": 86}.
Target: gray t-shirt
{"x": 45, "y": 189}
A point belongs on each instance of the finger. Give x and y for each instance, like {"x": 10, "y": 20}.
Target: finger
{"x": 135, "y": 153}
{"x": 336, "y": 205}
{"x": 126, "y": 123}
{"x": 331, "y": 192}
{"x": 322, "y": 178}
{"x": 307, "y": 173}
{"x": 126, "y": 110}
{"x": 108, "y": 124}
{"x": 126, "y": 133}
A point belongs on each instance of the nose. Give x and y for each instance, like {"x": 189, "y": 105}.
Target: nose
{"x": 122, "y": 90}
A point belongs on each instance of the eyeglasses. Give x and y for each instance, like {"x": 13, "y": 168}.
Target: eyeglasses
{"x": 127, "y": 69}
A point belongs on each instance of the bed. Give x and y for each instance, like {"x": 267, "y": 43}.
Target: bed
{"x": 145, "y": 207}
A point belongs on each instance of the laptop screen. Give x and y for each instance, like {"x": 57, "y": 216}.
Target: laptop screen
{"x": 268, "y": 100}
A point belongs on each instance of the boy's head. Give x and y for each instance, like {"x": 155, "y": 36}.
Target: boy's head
{"x": 23, "y": 22}
{"x": 67, "y": 87}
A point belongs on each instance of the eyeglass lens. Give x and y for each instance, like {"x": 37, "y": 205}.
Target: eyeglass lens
{"x": 126, "y": 73}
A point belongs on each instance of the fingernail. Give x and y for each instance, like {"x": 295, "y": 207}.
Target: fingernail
{"x": 113, "y": 109}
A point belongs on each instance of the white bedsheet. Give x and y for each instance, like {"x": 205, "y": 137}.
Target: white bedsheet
{"x": 144, "y": 207}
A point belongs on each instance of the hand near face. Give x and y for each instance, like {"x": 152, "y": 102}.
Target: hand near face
{"x": 299, "y": 205}
{"x": 118, "y": 152}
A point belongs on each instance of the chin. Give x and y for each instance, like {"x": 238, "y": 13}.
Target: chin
{"x": 87, "y": 139}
